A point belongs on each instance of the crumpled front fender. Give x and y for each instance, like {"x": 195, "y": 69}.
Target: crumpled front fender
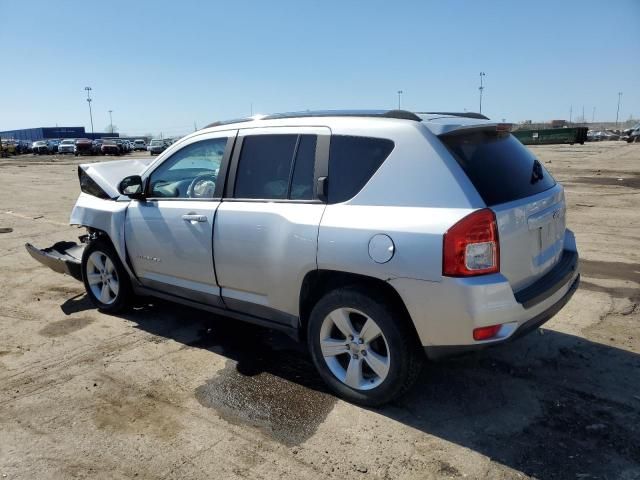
{"x": 107, "y": 216}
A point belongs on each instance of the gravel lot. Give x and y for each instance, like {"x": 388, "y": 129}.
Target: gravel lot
{"x": 170, "y": 392}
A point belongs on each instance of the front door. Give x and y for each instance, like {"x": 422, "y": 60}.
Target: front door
{"x": 169, "y": 234}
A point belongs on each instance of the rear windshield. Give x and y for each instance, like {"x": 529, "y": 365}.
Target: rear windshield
{"x": 498, "y": 165}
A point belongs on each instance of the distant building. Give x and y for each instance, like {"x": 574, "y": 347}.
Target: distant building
{"x": 40, "y": 133}
{"x": 559, "y": 123}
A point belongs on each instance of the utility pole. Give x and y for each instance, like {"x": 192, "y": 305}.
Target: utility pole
{"x": 400, "y": 92}
{"x": 88, "y": 89}
{"x": 111, "y": 121}
{"x": 583, "y": 120}
{"x": 570, "y": 114}
{"x": 195, "y": 127}
{"x": 593, "y": 115}
{"x": 481, "y": 88}
{"x": 618, "y": 111}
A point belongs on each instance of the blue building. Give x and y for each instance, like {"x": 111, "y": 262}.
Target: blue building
{"x": 44, "y": 133}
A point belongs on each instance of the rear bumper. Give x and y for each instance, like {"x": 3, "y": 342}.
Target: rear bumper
{"x": 446, "y": 312}
{"x": 436, "y": 352}
{"x": 62, "y": 257}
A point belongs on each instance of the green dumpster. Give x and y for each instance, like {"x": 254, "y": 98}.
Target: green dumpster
{"x": 548, "y": 136}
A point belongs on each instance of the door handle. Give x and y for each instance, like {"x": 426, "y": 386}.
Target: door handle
{"x": 191, "y": 217}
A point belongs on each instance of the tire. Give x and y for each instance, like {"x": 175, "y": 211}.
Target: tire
{"x": 394, "y": 351}
{"x": 118, "y": 294}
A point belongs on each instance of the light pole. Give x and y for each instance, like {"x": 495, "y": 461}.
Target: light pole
{"x": 111, "y": 121}
{"x": 618, "y": 111}
{"x": 481, "y": 88}
{"x": 593, "y": 115}
{"x": 88, "y": 89}
{"x": 400, "y": 92}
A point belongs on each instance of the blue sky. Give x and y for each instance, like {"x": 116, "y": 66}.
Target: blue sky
{"x": 161, "y": 66}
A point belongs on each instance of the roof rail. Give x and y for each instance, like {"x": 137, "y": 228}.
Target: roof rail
{"x": 399, "y": 114}
{"x": 228, "y": 122}
{"x": 478, "y": 116}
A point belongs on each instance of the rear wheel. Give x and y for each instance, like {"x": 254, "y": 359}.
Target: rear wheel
{"x": 105, "y": 279}
{"x": 363, "y": 347}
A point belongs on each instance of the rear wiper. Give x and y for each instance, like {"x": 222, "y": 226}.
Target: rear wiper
{"x": 537, "y": 172}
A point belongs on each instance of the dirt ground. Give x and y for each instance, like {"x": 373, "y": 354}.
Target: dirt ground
{"x": 170, "y": 392}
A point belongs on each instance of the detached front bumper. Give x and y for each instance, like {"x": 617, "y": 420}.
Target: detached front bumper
{"x": 62, "y": 257}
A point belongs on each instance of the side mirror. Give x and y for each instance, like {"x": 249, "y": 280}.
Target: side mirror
{"x": 132, "y": 187}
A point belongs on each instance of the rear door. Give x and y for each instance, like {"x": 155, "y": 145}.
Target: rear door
{"x": 529, "y": 205}
{"x": 266, "y": 233}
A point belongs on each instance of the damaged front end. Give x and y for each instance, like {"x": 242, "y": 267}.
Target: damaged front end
{"x": 100, "y": 208}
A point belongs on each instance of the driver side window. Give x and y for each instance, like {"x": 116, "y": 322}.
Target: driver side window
{"x": 191, "y": 172}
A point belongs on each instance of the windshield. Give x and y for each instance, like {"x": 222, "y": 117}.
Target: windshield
{"x": 156, "y": 142}
{"x": 67, "y": 142}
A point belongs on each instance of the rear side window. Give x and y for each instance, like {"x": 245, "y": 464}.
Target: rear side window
{"x": 352, "y": 162}
{"x": 277, "y": 167}
{"x": 498, "y": 165}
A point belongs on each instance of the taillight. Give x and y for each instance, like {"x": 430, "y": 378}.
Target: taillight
{"x": 471, "y": 246}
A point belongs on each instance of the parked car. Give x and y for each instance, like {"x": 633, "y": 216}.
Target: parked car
{"x": 53, "y": 145}
{"x": 96, "y": 146}
{"x": 8, "y": 147}
{"x": 40, "y": 147}
{"x": 121, "y": 147}
{"x": 376, "y": 236}
{"x": 156, "y": 146}
{"x": 84, "y": 146}
{"x": 612, "y": 135}
{"x": 634, "y": 134}
{"x": 139, "y": 144}
{"x": 68, "y": 145}
{"x": 24, "y": 146}
{"x": 110, "y": 147}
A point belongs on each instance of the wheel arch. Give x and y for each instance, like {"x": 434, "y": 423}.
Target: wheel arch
{"x": 318, "y": 283}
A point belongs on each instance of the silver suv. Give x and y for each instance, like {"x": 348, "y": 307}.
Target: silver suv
{"x": 376, "y": 236}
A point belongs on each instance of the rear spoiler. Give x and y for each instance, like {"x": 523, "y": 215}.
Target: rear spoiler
{"x": 475, "y": 115}
{"x": 468, "y": 129}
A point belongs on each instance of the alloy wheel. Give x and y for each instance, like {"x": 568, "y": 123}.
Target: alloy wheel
{"x": 355, "y": 349}
{"x": 102, "y": 277}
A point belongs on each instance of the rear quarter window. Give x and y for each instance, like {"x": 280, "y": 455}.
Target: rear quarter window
{"x": 498, "y": 165}
{"x": 352, "y": 162}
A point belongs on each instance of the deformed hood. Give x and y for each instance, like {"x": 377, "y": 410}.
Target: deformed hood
{"x": 108, "y": 175}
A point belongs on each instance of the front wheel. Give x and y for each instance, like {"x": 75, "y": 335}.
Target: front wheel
{"x": 105, "y": 279}
{"x": 363, "y": 347}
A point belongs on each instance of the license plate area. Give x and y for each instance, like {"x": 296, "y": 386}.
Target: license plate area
{"x": 548, "y": 227}
{"x": 547, "y": 236}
